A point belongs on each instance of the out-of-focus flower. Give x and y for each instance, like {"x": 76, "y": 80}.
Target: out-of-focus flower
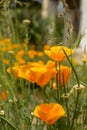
{"x": 46, "y": 47}
{"x": 13, "y": 70}
{"x": 21, "y": 61}
{"x": 49, "y": 113}
{"x": 40, "y": 54}
{"x": 5, "y": 61}
{"x": 16, "y": 46}
{"x": 20, "y": 53}
{"x": 7, "y": 40}
{"x": 57, "y": 53}
{"x": 4, "y": 95}
{"x": 32, "y": 53}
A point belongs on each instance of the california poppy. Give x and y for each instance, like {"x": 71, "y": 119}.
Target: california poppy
{"x": 5, "y": 61}
{"x": 63, "y": 74}
{"x": 4, "y": 95}
{"x": 40, "y": 75}
{"x": 57, "y": 53}
{"x": 37, "y": 72}
{"x": 13, "y": 70}
{"x": 49, "y": 113}
{"x": 32, "y": 53}
{"x": 21, "y": 70}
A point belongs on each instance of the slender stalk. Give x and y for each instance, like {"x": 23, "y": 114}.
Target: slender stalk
{"x": 59, "y": 77}
{"x": 67, "y": 107}
{"x": 11, "y": 125}
{"x": 66, "y": 103}
{"x": 57, "y": 81}
{"x": 78, "y": 82}
{"x": 64, "y": 85}
{"x": 75, "y": 110}
{"x": 77, "y": 98}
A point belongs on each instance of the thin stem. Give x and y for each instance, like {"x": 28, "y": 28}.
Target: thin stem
{"x": 75, "y": 110}
{"x": 68, "y": 120}
{"x": 64, "y": 85}
{"x": 8, "y": 123}
{"x": 57, "y": 81}
{"x": 78, "y": 82}
{"x": 59, "y": 77}
{"x": 66, "y": 102}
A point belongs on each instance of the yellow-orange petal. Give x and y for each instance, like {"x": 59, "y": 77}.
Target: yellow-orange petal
{"x": 57, "y": 53}
{"x": 49, "y": 113}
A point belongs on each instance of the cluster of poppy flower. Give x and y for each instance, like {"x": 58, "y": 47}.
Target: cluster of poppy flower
{"x": 18, "y": 52}
{"x": 50, "y": 113}
{"x": 40, "y": 73}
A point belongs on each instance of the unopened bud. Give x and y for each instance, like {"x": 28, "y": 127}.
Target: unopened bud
{"x": 2, "y": 112}
{"x": 26, "y": 22}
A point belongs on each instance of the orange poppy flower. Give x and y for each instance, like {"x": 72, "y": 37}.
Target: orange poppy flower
{"x": 21, "y": 61}
{"x": 4, "y": 95}
{"x": 63, "y": 74}
{"x": 49, "y": 113}
{"x": 7, "y": 41}
{"x": 57, "y": 53}
{"x": 40, "y": 54}
{"x": 20, "y": 53}
{"x": 13, "y": 70}
{"x": 5, "y": 61}
{"x": 32, "y": 53}
{"x": 22, "y": 70}
{"x": 40, "y": 74}
{"x": 16, "y": 46}
{"x": 47, "y": 46}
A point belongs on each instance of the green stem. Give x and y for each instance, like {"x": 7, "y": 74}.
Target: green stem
{"x": 8, "y": 123}
{"x": 75, "y": 110}
{"x": 57, "y": 81}
{"x": 78, "y": 82}
{"x": 64, "y": 85}
{"x": 68, "y": 120}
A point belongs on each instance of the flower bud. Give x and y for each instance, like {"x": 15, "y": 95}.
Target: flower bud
{"x": 2, "y": 112}
{"x": 26, "y": 22}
